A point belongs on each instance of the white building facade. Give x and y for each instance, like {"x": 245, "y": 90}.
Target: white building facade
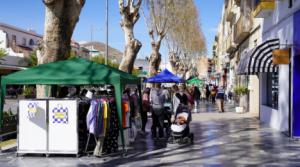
{"x": 17, "y": 43}
{"x": 276, "y": 95}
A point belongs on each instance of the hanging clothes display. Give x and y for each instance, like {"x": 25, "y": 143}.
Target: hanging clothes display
{"x": 111, "y": 138}
{"x": 126, "y": 112}
{"x": 102, "y": 122}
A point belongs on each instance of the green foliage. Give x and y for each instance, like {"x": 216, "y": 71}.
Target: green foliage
{"x": 135, "y": 72}
{"x": 241, "y": 90}
{"x": 32, "y": 59}
{"x": 72, "y": 55}
{"x": 2, "y": 53}
{"x": 101, "y": 60}
{"x": 28, "y": 91}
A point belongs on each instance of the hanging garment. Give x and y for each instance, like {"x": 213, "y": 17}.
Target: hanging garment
{"x": 125, "y": 114}
{"x": 99, "y": 120}
{"x": 111, "y": 139}
{"x": 105, "y": 113}
{"x": 91, "y": 117}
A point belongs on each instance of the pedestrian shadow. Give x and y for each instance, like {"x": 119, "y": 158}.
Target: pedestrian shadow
{"x": 220, "y": 142}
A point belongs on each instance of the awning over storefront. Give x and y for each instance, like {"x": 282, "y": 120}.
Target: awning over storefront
{"x": 259, "y": 59}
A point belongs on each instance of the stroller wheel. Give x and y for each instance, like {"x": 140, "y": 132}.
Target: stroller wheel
{"x": 192, "y": 138}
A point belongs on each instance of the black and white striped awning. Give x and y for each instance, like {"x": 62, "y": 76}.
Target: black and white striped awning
{"x": 259, "y": 59}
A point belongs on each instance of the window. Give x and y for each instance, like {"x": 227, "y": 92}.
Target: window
{"x": 272, "y": 90}
{"x": 24, "y": 41}
{"x": 14, "y": 38}
{"x": 31, "y": 42}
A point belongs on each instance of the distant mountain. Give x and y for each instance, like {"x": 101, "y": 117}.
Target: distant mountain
{"x": 101, "y": 47}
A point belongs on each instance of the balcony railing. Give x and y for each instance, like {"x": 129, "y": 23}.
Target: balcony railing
{"x": 263, "y": 8}
{"x": 242, "y": 28}
{"x": 230, "y": 45}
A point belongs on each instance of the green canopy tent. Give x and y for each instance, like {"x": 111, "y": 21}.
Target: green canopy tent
{"x": 72, "y": 72}
{"x": 195, "y": 81}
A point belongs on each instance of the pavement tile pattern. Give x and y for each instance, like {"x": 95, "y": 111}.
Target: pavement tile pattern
{"x": 221, "y": 139}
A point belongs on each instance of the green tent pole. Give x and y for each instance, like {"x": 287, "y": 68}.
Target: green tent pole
{"x": 3, "y": 91}
{"x": 118, "y": 93}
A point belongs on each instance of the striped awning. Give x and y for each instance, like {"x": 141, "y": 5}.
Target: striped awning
{"x": 259, "y": 60}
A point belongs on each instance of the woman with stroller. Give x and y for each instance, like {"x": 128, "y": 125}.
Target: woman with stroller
{"x": 180, "y": 131}
{"x": 146, "y": 107}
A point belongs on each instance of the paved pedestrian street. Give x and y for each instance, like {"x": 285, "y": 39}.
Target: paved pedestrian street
{"x": 221, "y": 139}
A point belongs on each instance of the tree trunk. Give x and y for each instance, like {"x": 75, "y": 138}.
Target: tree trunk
{"x": 130, "y": 15}
{"x": 60, "y": 20}
{"x": 155, "y": 59}
{"x": 132, "y": 48}
{"x": 174, "y": 61}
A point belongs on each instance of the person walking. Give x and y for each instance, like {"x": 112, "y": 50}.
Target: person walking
{"x": 220, "y": 98}
{"x": 196, "y": 97}
{"x": 230, "y": 96}
{"x": 157, "y": 100}
{"x": 146, "y": 107}
{"x": 213, "y": 94}
{"x": 207, "y": 93}
{"x": 175, "y": 99}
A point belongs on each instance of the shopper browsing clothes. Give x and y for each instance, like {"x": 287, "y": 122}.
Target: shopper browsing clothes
{"x": 146, "y": 107}
{"x": 157, "y": 100}
{"x": 220, "y": 98}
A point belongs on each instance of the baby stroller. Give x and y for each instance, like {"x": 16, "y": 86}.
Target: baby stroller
{"x": 168, "y": 112}
{"x": 180, "y": 130}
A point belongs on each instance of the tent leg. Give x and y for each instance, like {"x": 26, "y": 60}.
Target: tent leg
{"x": 118, "y": 94}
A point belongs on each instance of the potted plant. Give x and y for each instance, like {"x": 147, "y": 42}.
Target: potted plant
{"x": 241, "y": 93}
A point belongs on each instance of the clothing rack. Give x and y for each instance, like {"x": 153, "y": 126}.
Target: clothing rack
{"x": 107, "y": 144}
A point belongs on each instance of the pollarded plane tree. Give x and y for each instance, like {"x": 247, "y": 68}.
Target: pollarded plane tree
{"x": 156, "y": 14}
{"x": 129, "y": 10}
{"x": 61, "y": 17}
{"x": 185, "y": 40}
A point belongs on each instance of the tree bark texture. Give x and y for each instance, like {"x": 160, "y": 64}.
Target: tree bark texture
{"x": 174, "y": 62}
{"x": 155, "y": 59}
{"x": 130, "y": 15}
{"x": 60, "y": 20}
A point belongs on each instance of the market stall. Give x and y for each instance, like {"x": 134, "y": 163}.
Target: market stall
{"x": 71, "y": 72}
{"x": 195, "y": 81}
{"x": 164, "y": 77}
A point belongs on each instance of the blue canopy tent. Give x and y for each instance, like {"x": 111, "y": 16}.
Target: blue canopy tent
{"x": 164, "y": 77}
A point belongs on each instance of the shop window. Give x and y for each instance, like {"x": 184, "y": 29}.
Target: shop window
{"x": 272, "y": 90}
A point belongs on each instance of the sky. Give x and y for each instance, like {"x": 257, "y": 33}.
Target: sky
{"x": 29, "y": 14}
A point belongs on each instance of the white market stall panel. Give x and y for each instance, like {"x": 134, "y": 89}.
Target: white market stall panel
{"x": 63, "y": 136}
{"x": 32, "y": 130}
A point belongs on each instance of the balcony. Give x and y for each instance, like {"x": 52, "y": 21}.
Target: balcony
{"x": 230, "y": 45}
{"x": 242, "y": 28}
{"x": 263, "y": 8}
{"x": 229, "y": 11}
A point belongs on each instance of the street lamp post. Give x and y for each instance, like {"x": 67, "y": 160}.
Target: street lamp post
{"x": 106, "y": 49}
